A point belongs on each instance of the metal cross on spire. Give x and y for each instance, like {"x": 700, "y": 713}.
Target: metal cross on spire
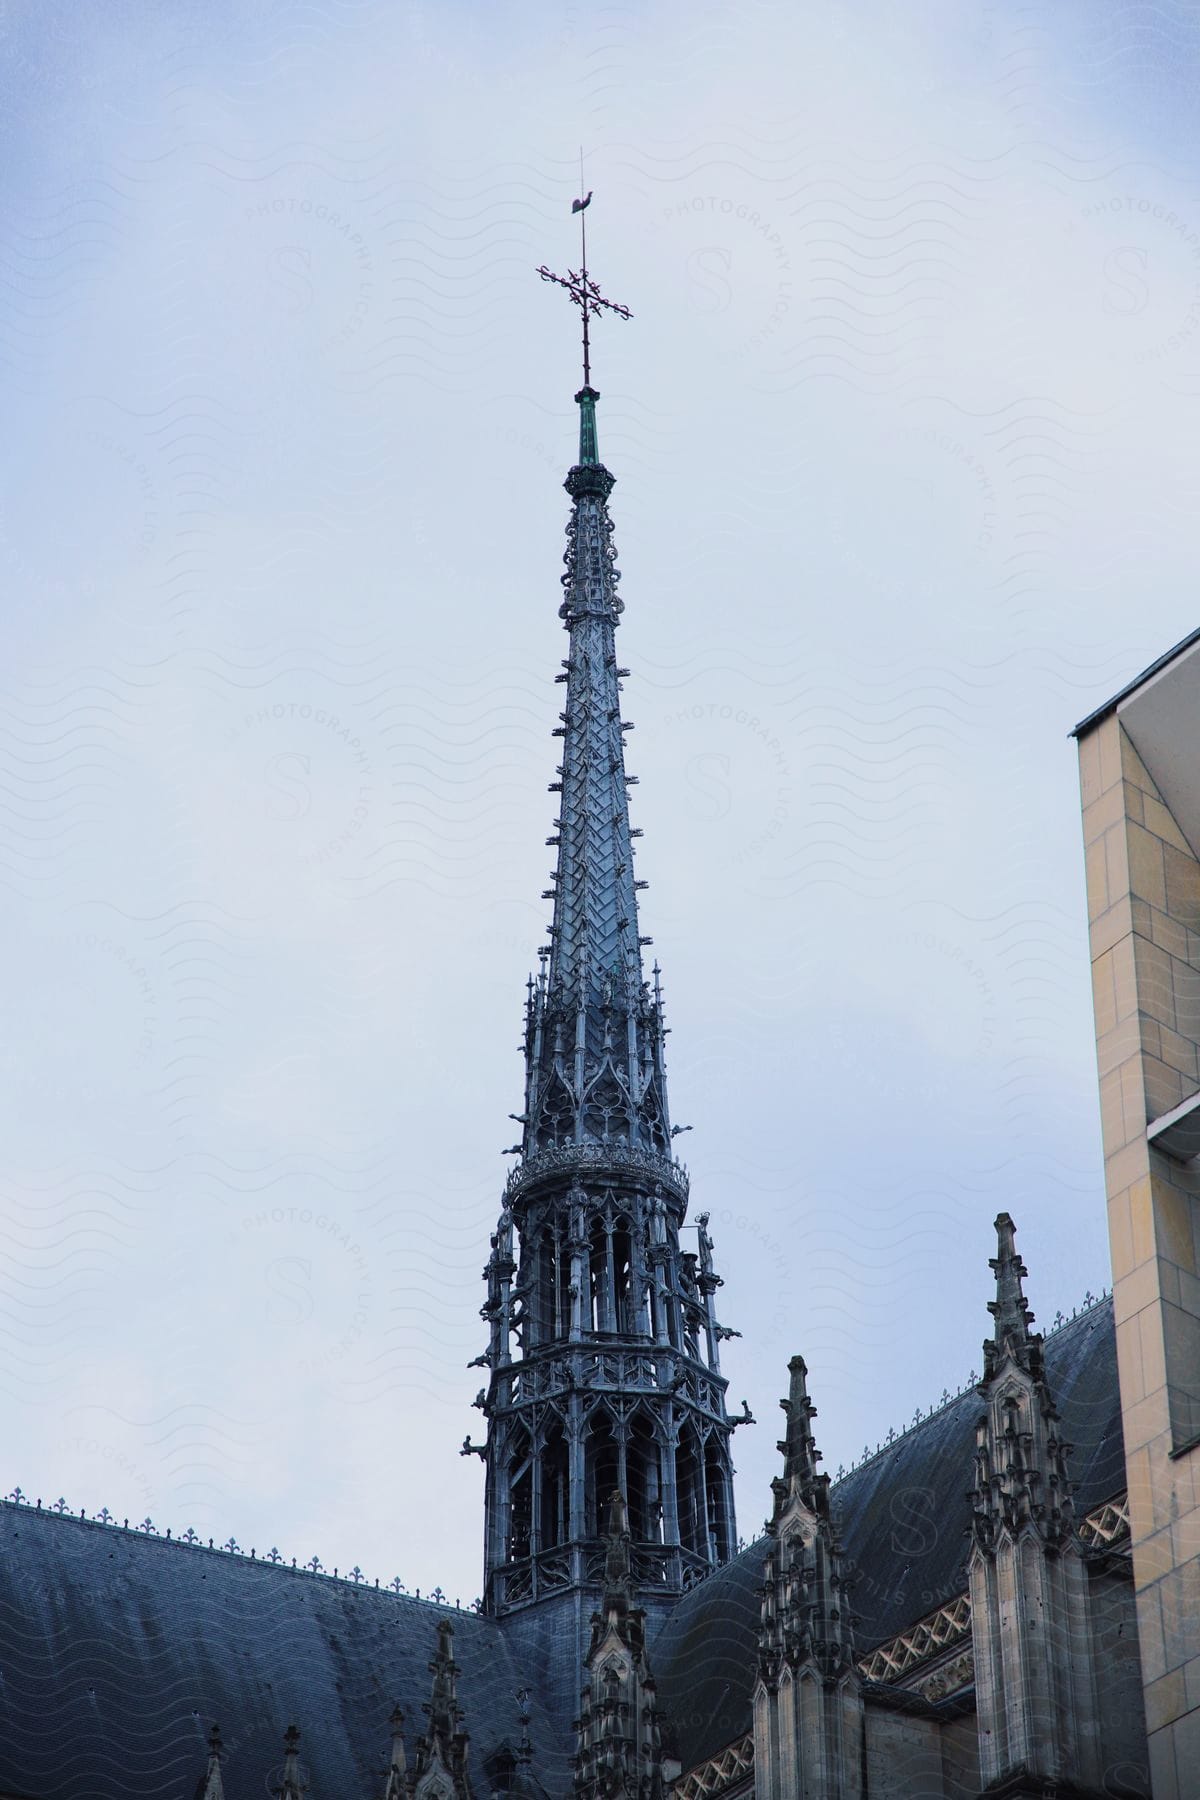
{"x": 581, "y": 289}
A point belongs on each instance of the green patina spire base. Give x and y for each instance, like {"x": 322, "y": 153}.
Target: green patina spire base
{"x": 589, "y": 450}
{"x": 589, "y": 476}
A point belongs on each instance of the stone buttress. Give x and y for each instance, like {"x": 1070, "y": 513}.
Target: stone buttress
{"x": 1031, "y": 1629}
{"x": 808, "y": 1704}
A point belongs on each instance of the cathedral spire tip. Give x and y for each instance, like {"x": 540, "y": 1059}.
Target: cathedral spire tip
{"x": 1011, "y": 1334}
{"x": 396, "y": 1780}
{"x": 212, "y": 1787}
{"x": 292, "y": 1786}
{"x": 797, "y": 1447}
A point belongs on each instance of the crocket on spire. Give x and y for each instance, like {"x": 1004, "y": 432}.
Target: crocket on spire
{"x": 1012, "y": 1317}
{"x": 800, "y": 1454}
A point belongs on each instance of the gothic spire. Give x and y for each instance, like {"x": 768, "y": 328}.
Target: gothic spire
{"x": 594, "y": 935}
{"x": 620, "y": 1742}
{"x": 1030, "y": 1606}
{"x": 211, "y": 1786}
{"x": 443, "y": 1744}
{"x": 617, "y": 1615}
{"x": 594, "y": 1035}
{"x": 588, "y": 1248}
{"x": 1020, "y": 1458}
{"x": 1011, "y": 1336}
{"x": 806, "y": 1627}
{"x": 523, "y": 1782}
{"x": 395, "y": 1784}
{"x": 799, "y": 1452}
{"x": 616, "y": 1556}
{"x": 292, "y": 1786}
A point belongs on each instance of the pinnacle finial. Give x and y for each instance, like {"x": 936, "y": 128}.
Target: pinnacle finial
{"x": 442, "y": 1705}
{"x": 444, "y": 1740}
{"x": 524, "y": 1746}
{"x": 618, "y": 1515}
{"x": 293, "y": 1785}
{"x": 1010, "y": 1312}
{"x": 799, "y": 1452}
{"x": 213, "y": 1788}
{"x": 395, "y": 1782}
{"x": 616, "y": 1561}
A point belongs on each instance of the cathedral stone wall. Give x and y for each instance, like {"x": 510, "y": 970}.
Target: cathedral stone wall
{"x": 904, "y": 1757}
{"x": 960, "y": 1757}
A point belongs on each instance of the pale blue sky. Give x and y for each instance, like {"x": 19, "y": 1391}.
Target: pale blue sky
{"x": 904, "y": 429}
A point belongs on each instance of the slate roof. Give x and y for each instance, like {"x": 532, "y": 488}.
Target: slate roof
{"x": 119, "y": 1650}
{"x": 903, "y": 1517}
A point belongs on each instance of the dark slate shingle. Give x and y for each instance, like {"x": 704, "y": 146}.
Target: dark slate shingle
{"x": 118, "y": 1651}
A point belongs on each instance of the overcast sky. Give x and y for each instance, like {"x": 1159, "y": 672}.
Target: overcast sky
{"x": 904, "y": 431}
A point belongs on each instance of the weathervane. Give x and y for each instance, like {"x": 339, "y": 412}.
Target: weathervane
{"x": 581, "y": 289}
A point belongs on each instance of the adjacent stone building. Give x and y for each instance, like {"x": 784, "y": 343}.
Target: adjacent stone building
{"x": 953, "y": 1617}
{"x": 1139, "y": 760}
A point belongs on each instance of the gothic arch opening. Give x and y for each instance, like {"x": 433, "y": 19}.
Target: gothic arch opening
{"x": 649, "y": 1318}
{"x": 717, "y": 1489}
{"x": 520, "y": 1498}
{"x": 643, "y": 1473}
{"x": 603, "y": 1472}
{"x": 556, "y": 1488}
{"x": 624, "y": 1302}
{"x": 553, "y": 1287}
{"x": 599, "y": 1277}
{"x": 689, "y": 1489}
